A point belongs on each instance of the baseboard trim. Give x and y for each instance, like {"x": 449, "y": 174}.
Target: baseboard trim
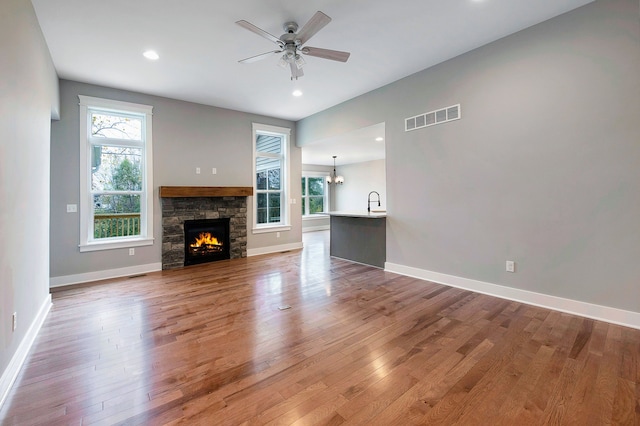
{"x": 274, "y": 249}
{"x": 584, "y": 309}
{"x": 10, "y": 374}
{"x": 103, "y": 275}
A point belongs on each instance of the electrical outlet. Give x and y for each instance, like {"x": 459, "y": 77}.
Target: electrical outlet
{"x": 277, "y": 235}
{"x": 197, "y": 170}
{"x": 511, "y": 266}
{"x": 14, "y": 321}
{"x": 214, "y": 171}
{"x": 132, "y": 251}
{"x": 72, "y": 208}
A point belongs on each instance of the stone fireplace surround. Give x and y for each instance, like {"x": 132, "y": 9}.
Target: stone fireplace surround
{"x": 180, "y": 203}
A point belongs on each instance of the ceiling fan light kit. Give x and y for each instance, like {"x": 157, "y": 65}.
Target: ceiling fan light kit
{"x": 292, "y": 43}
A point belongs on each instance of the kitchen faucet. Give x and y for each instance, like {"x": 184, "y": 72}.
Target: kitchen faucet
{"x": 369, "y": 200}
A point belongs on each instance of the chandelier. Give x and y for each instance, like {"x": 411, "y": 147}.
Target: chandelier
{"x": 333, "y": 178}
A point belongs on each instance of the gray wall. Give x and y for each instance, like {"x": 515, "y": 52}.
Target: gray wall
{"x": 359, "y": 180}
{"x": 28, "y": 98}
{"x": 185, "y": 136}
{"x": 542, "y": 169}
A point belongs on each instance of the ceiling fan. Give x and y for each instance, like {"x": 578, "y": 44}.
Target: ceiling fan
{"x": 292, "y": 43}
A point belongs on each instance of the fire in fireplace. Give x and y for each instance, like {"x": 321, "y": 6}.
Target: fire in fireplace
{"x": 205, "y": 244}
{"x": 206, "y": 240}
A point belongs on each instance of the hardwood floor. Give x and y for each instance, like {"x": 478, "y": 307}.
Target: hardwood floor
{"x": 210, "y": 345}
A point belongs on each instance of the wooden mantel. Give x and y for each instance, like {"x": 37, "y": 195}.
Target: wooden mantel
{"x": 205, "y": 191}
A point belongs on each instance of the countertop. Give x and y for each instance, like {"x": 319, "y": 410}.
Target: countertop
{"x": 362, "y": 214}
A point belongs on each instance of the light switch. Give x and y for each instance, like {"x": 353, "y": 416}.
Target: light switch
{"x": 511, "y": 266}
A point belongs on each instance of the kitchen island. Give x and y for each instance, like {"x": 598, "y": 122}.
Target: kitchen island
{"x": 359, "y": 237}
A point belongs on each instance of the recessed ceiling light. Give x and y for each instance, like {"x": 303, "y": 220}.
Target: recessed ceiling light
{"x": 151, "y": 55}
{"x": 297, "y": 93}
{"x": 379, "y": 139}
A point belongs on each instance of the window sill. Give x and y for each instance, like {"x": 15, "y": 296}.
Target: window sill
{"x": 315, "y": 216}
{"x": 109, "y": 245}
{"x": 266, "y": 230}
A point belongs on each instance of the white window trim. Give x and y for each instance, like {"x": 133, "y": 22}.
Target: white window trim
{"x": 284, "y": 225}
{"x": 327, "y": 205}
{"x": 146, "y": 204}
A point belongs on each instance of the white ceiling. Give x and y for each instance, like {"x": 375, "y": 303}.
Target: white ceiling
{"x": 199, "y": 44}
{"x": 353, "y": 147}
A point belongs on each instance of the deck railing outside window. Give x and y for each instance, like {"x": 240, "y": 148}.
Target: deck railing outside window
{"x": 116, "y": 225}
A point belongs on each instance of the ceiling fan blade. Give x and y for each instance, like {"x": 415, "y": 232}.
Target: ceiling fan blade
{"x": 249, "y": 26}
{"x": 315, "y": 24}
{"x": 334, "y": 55}
{"x": 258, "y": 57}
{"x": 295, "y": 71}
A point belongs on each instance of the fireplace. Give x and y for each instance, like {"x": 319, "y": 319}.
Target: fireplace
{"x": 182, "y": 204}
{"x": 206, "y": 240}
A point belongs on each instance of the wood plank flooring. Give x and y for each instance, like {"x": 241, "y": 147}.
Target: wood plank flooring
{"x": 208, "y": 345}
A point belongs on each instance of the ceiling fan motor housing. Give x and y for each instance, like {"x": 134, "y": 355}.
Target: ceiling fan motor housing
{"x": 290, "y": 39}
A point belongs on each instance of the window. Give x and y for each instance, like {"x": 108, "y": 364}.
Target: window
{"x": 116, "y": 209}
{"x": 271, "y": 147}
{"x": 314, "y": 193}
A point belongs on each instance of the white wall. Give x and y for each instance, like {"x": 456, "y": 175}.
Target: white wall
{"x": 185, "y": 136}
{"x": 541, "y": 169}
{"x": 28, "y": 99}
{"x": 359, "y": 180}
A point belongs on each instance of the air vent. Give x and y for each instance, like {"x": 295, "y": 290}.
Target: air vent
{"x": 432, "y": 118}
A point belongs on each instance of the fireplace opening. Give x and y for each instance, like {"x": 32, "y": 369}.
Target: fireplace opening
{"x": 206, "y": 240}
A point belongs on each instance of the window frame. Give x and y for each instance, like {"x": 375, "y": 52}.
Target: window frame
{"x": 285, "y": 181}
{"x": 88, "y": 105}
{"x": 305, "y": 198}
